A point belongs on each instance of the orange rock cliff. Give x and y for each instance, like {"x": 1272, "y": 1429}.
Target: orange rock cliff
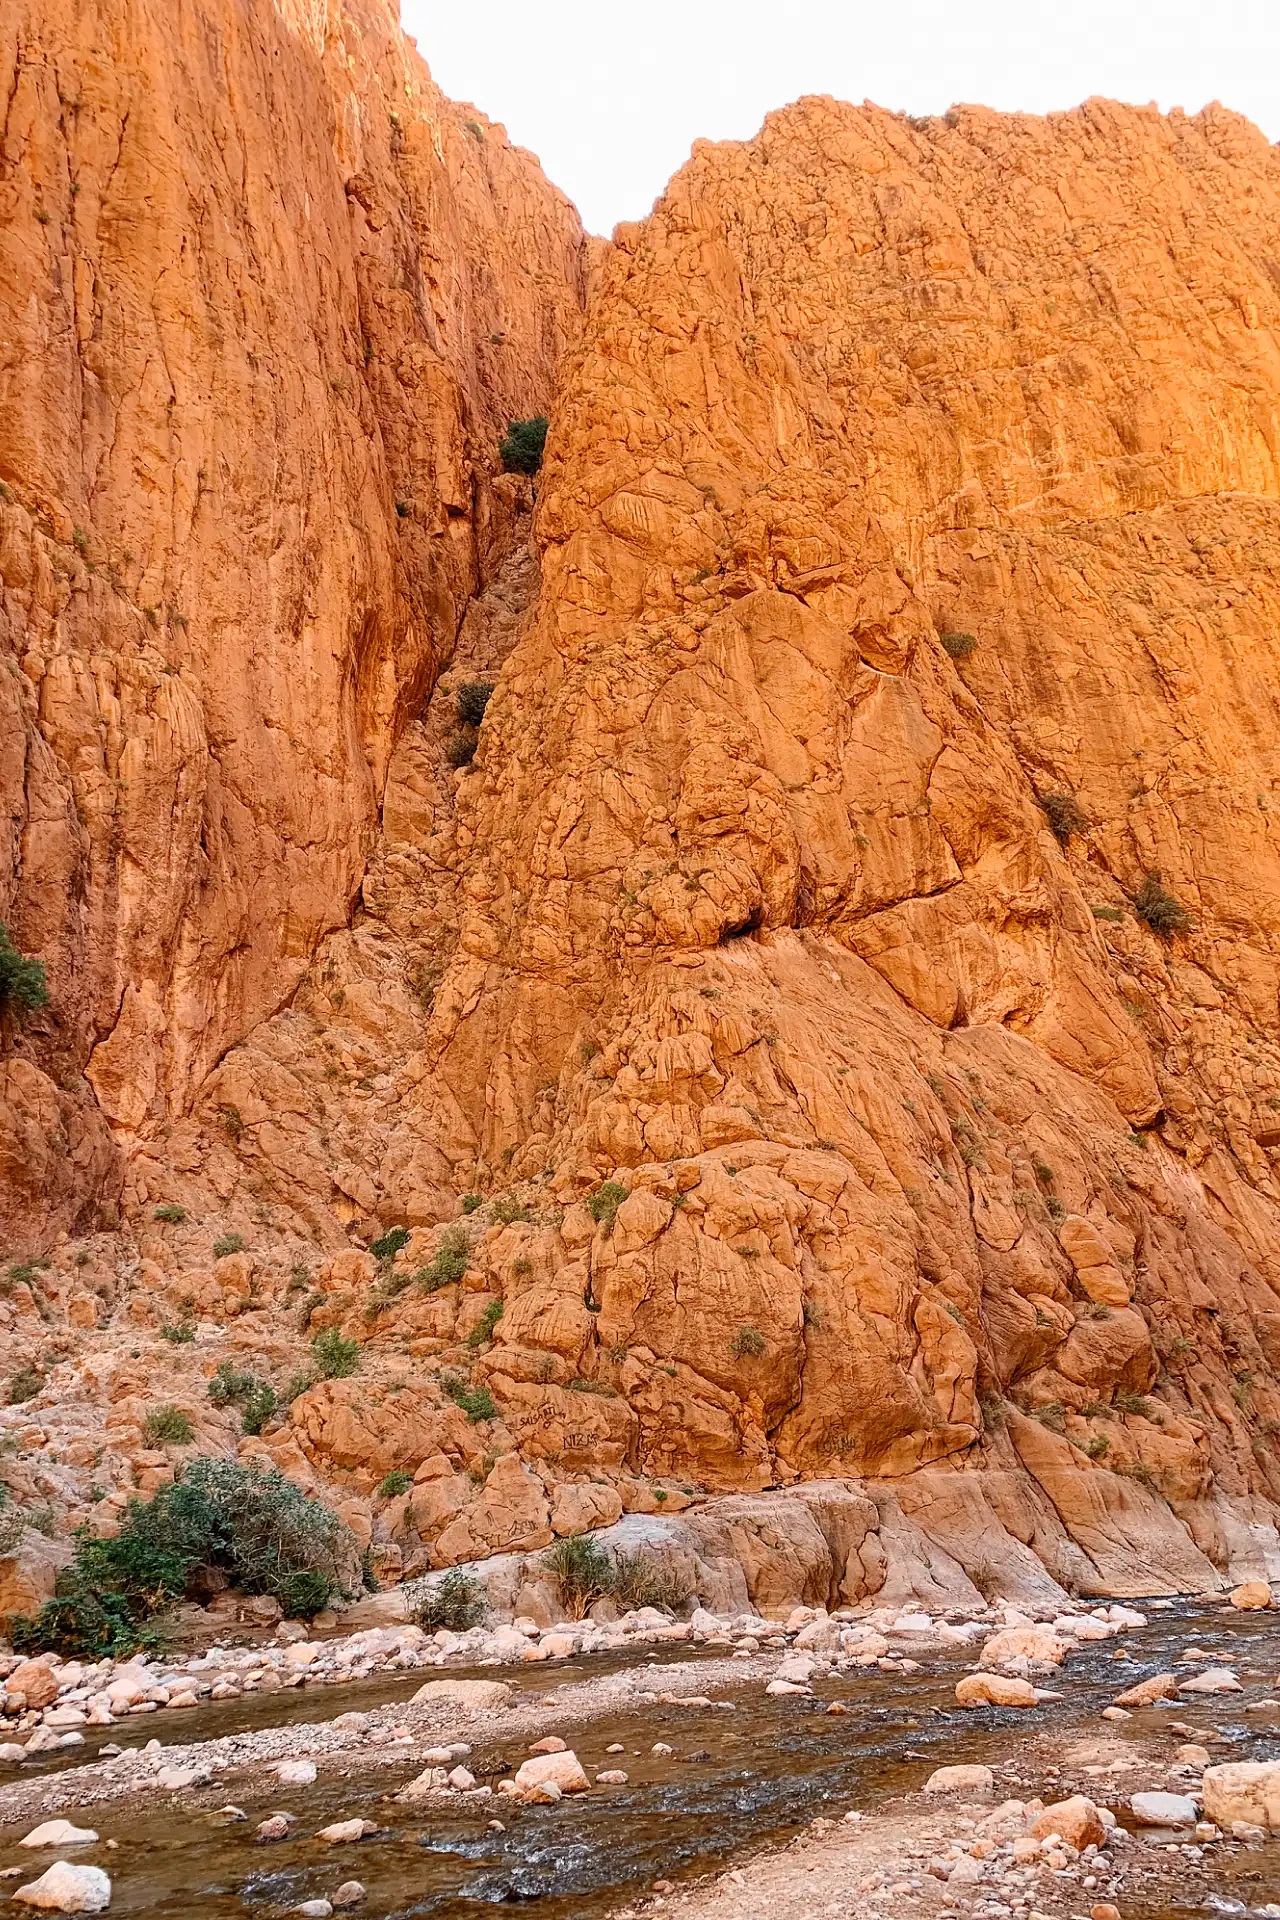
{"x": 824, "y": 1037}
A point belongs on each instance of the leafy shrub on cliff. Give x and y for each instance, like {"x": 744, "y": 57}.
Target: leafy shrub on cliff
{"x": 484, "y": 1326}
{"x": 603, "y": 1204}
{"x": 1064, "y": 814}
{"x": 583, "y": 1572}
{"x": 22, "y": 981}
{"x": 390, "y": 1243}
{"x": 460, "y": 749}
{"x": 336, "y": 1358}
{"x": 523, "y": 444}
{"x": 228, "y": 1243}
{"x": 456, "y": 1601}
{"x": 748, "y": 1343}
{"x": 471, "y": 700}
{"x": 167, "y": 1426}
{"x": 958, "y": 645}
{"x": 476, "y": 1402}
{"x": 25, "y": 1385}
{"x": 258, "y": 1527}
{"x": 256, "y": 1398}
{"x": 1163, "y": 912}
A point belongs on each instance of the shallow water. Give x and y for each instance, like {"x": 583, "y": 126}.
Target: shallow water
{"x": 735, "y": 1780}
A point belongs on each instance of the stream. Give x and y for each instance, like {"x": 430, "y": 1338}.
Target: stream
{"x": 734, "y": 1781}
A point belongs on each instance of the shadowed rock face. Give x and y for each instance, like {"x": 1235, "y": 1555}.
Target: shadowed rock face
{"x": 269, "y": 300}
{"x": 905, "y": 598}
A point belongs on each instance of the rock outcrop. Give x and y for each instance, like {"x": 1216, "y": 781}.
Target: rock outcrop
{"x": 828, "y": 1026}
{"x": 269, "y": 301}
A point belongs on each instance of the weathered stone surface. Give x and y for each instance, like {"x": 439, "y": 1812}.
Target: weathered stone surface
{"x": 769, "y": 983}
{"x": 1077, "y": 1821}
{"x": 994, "y": 1690}
{"x": 1246, "y": 1790}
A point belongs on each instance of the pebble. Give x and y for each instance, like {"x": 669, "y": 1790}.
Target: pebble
{"x": 296, "y": 1773}
{"x": 275, "y": 1827}
{"x": 349, "y": 1894}
{"x": 342, "y": 1832}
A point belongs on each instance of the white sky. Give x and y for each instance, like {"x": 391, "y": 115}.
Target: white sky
{"x": 611, "y": 96}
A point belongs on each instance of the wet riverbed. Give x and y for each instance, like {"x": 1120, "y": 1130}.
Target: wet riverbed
{"x": 734, "y": 1780}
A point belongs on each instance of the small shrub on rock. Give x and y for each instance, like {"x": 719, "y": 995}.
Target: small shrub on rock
{"x": 603, "y": 1204}
{"x": 748, "y": 1343}
{"x": 179, "y": 1333}
{"x": 460, "y": 749}
{"x": 167, "y": 1426}
{"x": 390, "y": 1243}
{"x": 484, "y": 1326}
{"x": 456, "y": 1601}
{"x": 583, "y": 1571}
{"x": 1162, "y": 910}
{"x": 958, "y": 645}
{"x": 170, "y": 1213}
{"x": 25, "y": 1385}
{"x": 228, "y": 1243}
{"x": 471, "y": 700}
{"x": 22, "y": 981}
{"x": 476, "y": 1402}
{"x": 393, "y": 1484}
{"x": 336, "y": 1358}
{"x": 256, "y": 1398}
{"x": 1064, "y": 815}
{"x": 523, "y": 444}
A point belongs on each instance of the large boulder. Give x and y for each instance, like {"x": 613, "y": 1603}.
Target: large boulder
{"x": 1077, "y": 1821}
{"x": 1039, "y": 1646}
{"x": 1246, "y": 1790}
{"x": 994, "y": 1690}
{"x": 477, "y": 1694}
{"x": 65, "y": 1888}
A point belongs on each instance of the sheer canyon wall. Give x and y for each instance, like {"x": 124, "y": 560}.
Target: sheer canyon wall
{"x": 829, "y": 1027}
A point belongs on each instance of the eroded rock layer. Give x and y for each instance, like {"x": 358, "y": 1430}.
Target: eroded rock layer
{"x": 830, "y": 1028}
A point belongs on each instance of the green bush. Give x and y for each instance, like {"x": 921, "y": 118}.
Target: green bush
{"x": 471, "y": 700}
{"x": 455, "y": 1601}
{"x": 748, "y": 1343}
{"x": 171, "y": 1213}
{"x": 1161, "y": 910}
{"x": 390, "y": 1244}
{"x": 476, "y": 1402}
{"x": 449, "y": 1264}
{"x": 470, "y": 1201}
{"x": 259, "y": 1528}
{"x": 179, "y": 1333}
{"x": 393, "y": 1484}
{"x": 484, "y": 1326}
{"x": 22, "y": 981}
{"x": 509, "y": 1208}
{"x": 336, "y": 1358}
{"x": 604, "y": 1202}
{"x": 1064, "y": 815}
{"x": 167, "y": 1426}
{"x": 460, "y": 749}
{"x": 256, "y": 1398}
{"x": 25, "y": 1385}
{"x": 583, "y": 1572}
{"x": 958, "y": 645}
{"x": 228, "y": 1243}
{"x": 522, "y": 447}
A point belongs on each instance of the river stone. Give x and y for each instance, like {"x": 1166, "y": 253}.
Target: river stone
{"x": 349, "y": 1894}
{"x": 68, "y": 1889}
{"x": 314, "y": 1909}
{"x": 464, "y": 1693}
{"x": 1251, "y": 1596}
{"x": 960, "y": 1780}
{"x": 342, "y": 1832}
{"x": 59, "y": 1833}
{"x": 994, "y": 1690}
{"x": 1160, "y": 1686}
{"x": 1246, "y": 1791}
{"x": 296, "y": 1773}
{"x": 562, "y": 1770}
{"x": 1213, "y": 1680}
{"x": 1077, "y": 1821}
{"x": 1039, "y": 1645}
{"x": 613, "y": 1777}
{"x": 1164, "y": 1810}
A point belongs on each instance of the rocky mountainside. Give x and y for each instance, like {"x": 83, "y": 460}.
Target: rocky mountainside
{"x": 822, "y": 1025}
